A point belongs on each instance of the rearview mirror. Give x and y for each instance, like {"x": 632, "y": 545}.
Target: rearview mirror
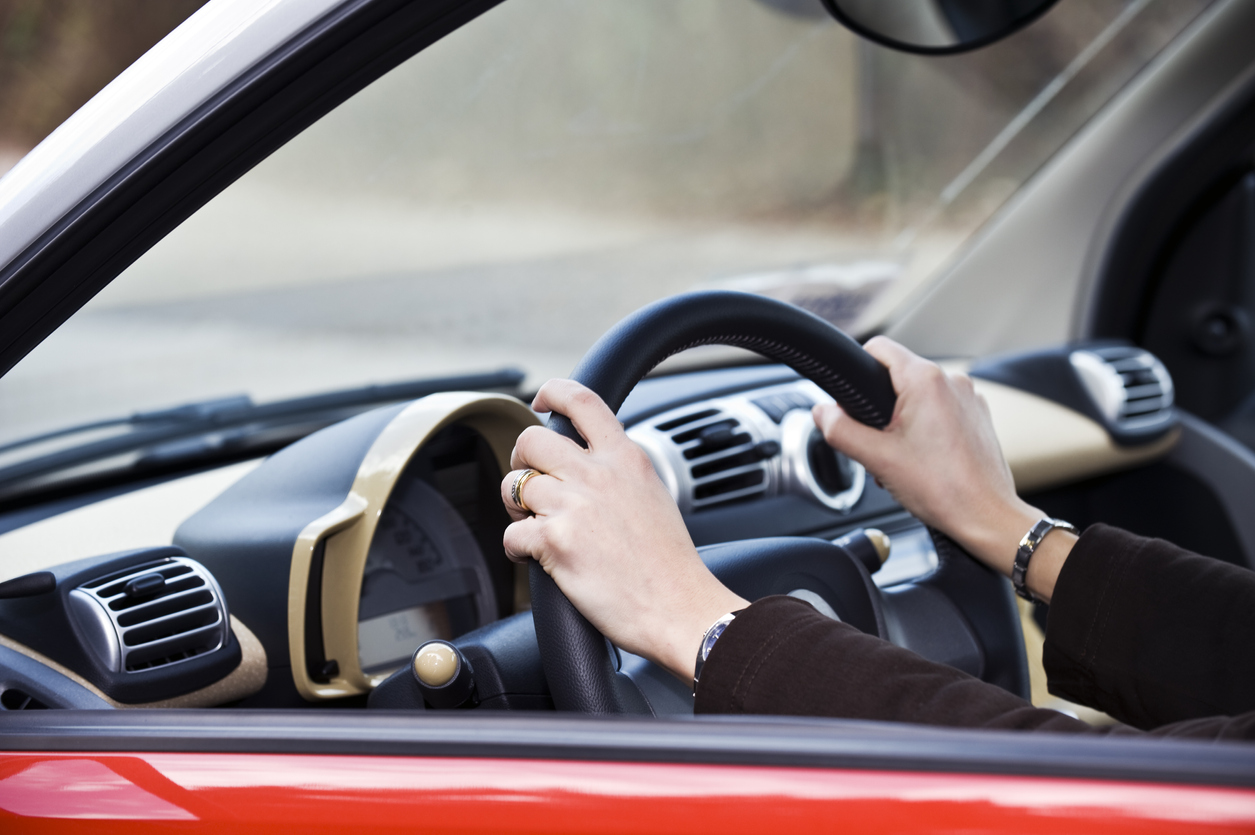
{"x": 936, "y": 27}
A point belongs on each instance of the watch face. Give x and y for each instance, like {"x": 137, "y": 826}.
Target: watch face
{"x": 711, "y": 637}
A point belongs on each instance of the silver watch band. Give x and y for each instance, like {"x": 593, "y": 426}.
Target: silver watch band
{"x": 1028, "y": 546}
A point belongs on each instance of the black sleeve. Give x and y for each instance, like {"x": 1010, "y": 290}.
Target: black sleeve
{"x": 1151, "y": 633}
{"x": 780, "y": 656}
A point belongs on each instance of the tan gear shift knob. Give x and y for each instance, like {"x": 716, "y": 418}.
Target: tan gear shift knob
{"x": 870, "y": 546}
{"x": 436, "y": 663}
{"x": 880, "y": 541}
{"x": 444, "y": 675}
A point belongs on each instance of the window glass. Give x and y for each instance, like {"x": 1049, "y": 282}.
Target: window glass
{"x": 509, "y": 193}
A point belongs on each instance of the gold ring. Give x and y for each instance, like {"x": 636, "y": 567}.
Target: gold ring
{"x": 516, "y": 491}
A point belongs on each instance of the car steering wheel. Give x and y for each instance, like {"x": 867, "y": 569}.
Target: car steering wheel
{"x": 577, "y": 664}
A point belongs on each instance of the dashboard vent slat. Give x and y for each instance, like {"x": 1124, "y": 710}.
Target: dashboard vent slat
{"x": 676, "y": 423}
{"x": 182, "y": 584}
{"x": 741, "y": 484}
{"x": 730, "y": 461}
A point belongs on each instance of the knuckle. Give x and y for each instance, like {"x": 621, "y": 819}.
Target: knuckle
{"x": 583, "y": 398}
{"x": 637, "y": 460}
{"x": 554, "y": 535}
{"x": 579, "y": 504}
{"x": 513, "y": 542}
{"x": 930, "y": 376}
{"x": 527, "y": 438}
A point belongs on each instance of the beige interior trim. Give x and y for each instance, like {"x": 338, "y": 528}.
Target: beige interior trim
{"x": 348, "y": 530}
{"x": 1048, "y": 445}
{"x": 138, "y": 519}
{"x": 245, "y": 680}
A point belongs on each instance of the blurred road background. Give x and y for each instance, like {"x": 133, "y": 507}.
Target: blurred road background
{"x": 507, "y": 195}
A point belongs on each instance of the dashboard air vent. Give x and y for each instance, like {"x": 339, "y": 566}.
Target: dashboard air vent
{"x": 724, "y": 460}
{"x": 1129, "y": 386}
{"x": 152, "y": 615}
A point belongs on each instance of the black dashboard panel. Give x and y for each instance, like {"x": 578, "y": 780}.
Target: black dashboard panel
{"x": 163, "y": 634}
{"x": 245, "y": 535}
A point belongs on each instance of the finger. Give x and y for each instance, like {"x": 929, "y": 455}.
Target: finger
{"x": 545, "y": 450}
{"x": 538, "y": 493}
{"x": 591, "y": 416}
{"x": 507, "y": 497}
{"x": 900, "y": 360}
{"x": 845, "y": 434}
{"x": 962, "y": 382}
{"x": 984, "y": 406}
{"x": 522, "y": 539}
{"x": 889, "y": 353}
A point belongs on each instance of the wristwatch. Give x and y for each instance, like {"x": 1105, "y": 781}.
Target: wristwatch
{"x": 708, "y": 643}
{"x": 1028, "y": 546}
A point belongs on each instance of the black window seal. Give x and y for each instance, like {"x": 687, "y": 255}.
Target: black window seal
{"x": 710, "y": 740}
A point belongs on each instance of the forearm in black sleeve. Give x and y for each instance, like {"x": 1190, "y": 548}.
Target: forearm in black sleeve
{"x": 1149, "y": 632}
{"x": 780, "y": 656}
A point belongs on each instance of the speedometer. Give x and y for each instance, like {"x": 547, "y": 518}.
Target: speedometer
{"x": 425, "y": 578}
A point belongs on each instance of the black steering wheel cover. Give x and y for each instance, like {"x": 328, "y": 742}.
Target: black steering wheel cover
{"x": 778, "y": 331}
{"x": 582, "y": 677}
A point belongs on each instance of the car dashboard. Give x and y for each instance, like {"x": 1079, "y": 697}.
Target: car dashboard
{"x": 312, "y": 577}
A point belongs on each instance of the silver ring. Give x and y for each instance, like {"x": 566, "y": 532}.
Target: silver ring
{"x": 516, "y": 489}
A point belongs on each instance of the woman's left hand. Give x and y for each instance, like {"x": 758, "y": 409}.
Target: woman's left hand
{"x": 608, "y": 532}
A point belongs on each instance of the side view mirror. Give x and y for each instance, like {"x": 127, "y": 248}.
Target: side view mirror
{"x": 936, "y": 27}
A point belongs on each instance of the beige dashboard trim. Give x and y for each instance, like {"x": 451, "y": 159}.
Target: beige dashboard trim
{"x": 1048, "y": 445}
{"x": 347, "y": 531}
{"x": 245, "y": 680}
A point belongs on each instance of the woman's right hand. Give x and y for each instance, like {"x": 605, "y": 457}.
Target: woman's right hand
{"x": 940, "y": 458}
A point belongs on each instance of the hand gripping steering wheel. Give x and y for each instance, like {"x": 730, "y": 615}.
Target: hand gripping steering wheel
{"x": 577, "y": 665}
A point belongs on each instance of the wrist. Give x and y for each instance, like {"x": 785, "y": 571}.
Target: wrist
{"x": 994, "y": 536}
{"x": 684, "y": 637}
{"x": 995, "y": 539}
{"x": 1047, "y": 562}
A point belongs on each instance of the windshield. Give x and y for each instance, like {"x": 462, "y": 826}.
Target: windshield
{"x": 505, "y": 196}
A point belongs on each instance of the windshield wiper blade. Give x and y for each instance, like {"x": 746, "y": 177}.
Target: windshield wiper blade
{"x": 188, "y": 411}
{"x": 202, "y": 417}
